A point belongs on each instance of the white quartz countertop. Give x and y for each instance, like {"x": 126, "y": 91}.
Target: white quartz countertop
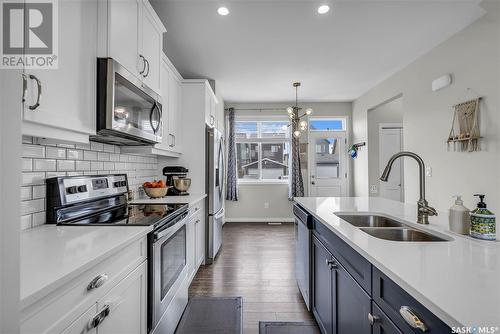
{"x": 458, "y": 280}
{"x": 53, "y": 255}
{"x": 190, "y": 199}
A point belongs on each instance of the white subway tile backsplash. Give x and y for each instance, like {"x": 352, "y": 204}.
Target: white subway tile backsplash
{"x": 82, "y": 165}
{"x": 39, "y": 192}
{"x": 75, "y": 154}
{"x": 96, "y": 165}
{"x": 102, "y": 156}
{"x": 33, "y": 178}
{"x": 44, "y": 158}
{"x": 89, "y": 155}
{"x": 65, "y": 165}
{"x": 33, "y": 151}
{"x": 47, "y": 165}
{"x": 27, "y": 164}
{"x": 55, "y": 153}
{"x": 95, "y": 146}
{"x": 26, "y": 193}
{"x": 32, "y": 206}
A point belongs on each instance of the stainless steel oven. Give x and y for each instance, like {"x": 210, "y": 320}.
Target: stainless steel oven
{"x": 168, "y": 269}
{"x": 128, "y": 112}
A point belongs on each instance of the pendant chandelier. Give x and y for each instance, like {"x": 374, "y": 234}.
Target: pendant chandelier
{"x": 293, "y": 113}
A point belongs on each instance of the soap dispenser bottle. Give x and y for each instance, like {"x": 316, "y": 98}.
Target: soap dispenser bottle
{"x": 482, "y": 221}
{"x": 459, "y": 217}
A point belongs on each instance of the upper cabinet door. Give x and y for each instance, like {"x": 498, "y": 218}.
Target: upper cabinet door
{"x": 64, "y": 98}
{"x": 165, "y": 114}
{"x": 151, "y": 47}
{"x": 123, "y": 34}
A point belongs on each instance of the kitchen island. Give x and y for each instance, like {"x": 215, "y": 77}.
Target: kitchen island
{"x": 456, "y": 280}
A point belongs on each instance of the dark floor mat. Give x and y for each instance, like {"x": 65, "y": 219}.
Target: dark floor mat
{"x": 278, "y": 327}
{"x": 212, "y": 315}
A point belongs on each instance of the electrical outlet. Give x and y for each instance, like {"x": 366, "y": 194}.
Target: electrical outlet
{"x": 428, "y": 171}
{"x": 266, "y": 205}
{"x": 373, "y": 189}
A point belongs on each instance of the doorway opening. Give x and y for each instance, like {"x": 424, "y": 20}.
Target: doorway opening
{"x": 327, "y": 157}
{"x": 385, "y": 138}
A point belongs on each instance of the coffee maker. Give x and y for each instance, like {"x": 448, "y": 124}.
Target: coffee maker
{"x": 172, "y": 172}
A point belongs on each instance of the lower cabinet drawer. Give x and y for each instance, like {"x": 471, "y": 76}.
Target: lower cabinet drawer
{"x": 196, "y": 208}
{"x": 405, "y": 311}
{"x": 381, "y": 324}
{"x": 58, "y": 310}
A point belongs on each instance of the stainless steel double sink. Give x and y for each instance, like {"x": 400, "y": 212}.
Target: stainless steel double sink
{"x": 386, "y": 228}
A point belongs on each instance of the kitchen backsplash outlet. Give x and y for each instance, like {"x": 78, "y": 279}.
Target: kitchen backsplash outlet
{"x": 43, "y": 158}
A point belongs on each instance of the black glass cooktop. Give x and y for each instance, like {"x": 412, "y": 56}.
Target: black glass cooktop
{"x": 139, "y": 215}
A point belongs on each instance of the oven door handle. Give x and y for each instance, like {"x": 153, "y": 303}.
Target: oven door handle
{"x": 167, "y": 230}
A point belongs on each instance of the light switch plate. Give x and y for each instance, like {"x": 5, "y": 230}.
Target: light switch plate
{"x": 373, "y": 189}
{"x": 428, "y": 171}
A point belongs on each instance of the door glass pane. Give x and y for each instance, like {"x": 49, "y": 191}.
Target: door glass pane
{"x": 326, "y": 125}
{"x": 173, "y": 259}
{"x": 247, "y": 156}
{"x": 327, "y": 158}
{"x": 245, "y": 129}
{"x": 133, "y": 107}
{"x": 274, "y": 129}
{"x": 275, "y": 161}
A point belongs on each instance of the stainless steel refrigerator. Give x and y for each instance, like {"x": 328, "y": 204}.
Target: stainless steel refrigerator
{"x": 215, "y": 191}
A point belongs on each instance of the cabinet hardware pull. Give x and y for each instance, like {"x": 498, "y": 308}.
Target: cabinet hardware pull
{"x": 39, "y": 95}
{"x": 25, "y": 87}
{"x": 98, "y": 318}
{"x": 147, "y": 63}
{"x": 174, "y": 141}
{"x": 97, "y": 282}
{"x": 412, "y": 318}
{"x": 332, "y": 264}
{"x": 313, "y": 183}
{"x": 197, "y": 220}
{"x": 373, "y": 319}
{"x": 143, "y": 64}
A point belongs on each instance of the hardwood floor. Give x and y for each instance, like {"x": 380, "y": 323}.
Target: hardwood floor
{"x": 256, "y": 262}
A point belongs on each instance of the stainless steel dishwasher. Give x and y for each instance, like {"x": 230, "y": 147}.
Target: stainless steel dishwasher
{"x": 303, "y": 238}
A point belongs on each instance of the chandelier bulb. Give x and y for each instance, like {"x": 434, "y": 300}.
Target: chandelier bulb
{"x": 289, "y": 110}
{"x": 309, "y": 111}
{"x": 296, "y": 133}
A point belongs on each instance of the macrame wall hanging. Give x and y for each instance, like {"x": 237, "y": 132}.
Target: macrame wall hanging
{"x": 464, "y": 134}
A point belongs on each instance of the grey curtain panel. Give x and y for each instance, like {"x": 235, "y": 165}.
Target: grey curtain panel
{"x": 232, "y": 173}
{"x": 296, "y": 184}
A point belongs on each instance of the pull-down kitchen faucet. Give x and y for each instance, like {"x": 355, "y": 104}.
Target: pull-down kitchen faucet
{"x": 424, "y": 210}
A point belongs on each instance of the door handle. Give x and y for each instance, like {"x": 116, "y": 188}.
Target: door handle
{"x": 331, "y": 264}
{"x": 372, "y": 319}
{"x": 147, "y": 63}
{"x": 143, "y": 64}
{"x": 39, "y": 95}
{"x": 25, "y": 87}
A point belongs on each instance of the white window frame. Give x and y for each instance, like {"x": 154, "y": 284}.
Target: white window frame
{"x": 259, "y": 142}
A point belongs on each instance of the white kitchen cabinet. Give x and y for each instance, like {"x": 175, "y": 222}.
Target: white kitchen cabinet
{"x": 191, "y": 248}
{"x": 131, "y": 32}
{"x": 199, "y": 227}
{"x": 66, "y": 109}
{"x": 210, "y": 106}
{"x": 126, "y": 305}
{"x": 151, "y": 46}
{"x": 81, "y": 325}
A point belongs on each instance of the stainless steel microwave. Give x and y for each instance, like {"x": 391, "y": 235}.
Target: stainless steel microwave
{"x": 128, "y": 112}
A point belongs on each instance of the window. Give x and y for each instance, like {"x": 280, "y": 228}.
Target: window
{"x": 262, "y": 150}
{"x": 327, "y": 124}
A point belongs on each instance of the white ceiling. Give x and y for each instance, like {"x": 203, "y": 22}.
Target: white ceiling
{"x": 262, "y": 46}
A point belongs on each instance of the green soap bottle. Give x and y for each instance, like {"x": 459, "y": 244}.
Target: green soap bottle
{"x": 482, "y": 221}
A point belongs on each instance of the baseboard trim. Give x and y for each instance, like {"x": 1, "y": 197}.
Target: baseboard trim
{"x": 259, "y": 220}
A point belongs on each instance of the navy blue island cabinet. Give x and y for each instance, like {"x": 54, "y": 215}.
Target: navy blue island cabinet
{"x": 351, "y": 296}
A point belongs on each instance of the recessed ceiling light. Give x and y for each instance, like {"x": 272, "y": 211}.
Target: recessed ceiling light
{"x": 223, "y": 11}
{"x": 323, "y": 9}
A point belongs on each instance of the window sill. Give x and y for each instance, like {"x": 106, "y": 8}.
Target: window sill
{"x": 259, "y": 182}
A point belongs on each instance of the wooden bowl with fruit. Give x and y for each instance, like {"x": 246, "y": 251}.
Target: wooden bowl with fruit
{"x": 155, "y": 189}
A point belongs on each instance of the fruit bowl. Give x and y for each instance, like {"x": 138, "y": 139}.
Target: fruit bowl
{"x": 156, "y": 192}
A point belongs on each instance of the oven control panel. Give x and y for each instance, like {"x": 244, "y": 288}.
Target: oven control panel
{"x": 74, "y": 189}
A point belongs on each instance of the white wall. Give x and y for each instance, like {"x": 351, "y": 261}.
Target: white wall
{"x": 252, "y": 197}
{"x": 473, "y": 57}
{"x": 391, "y": 112}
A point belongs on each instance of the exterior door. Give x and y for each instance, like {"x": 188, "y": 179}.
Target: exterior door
{"x": 390, "y": 143}
{"x": 327, "y": 164}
